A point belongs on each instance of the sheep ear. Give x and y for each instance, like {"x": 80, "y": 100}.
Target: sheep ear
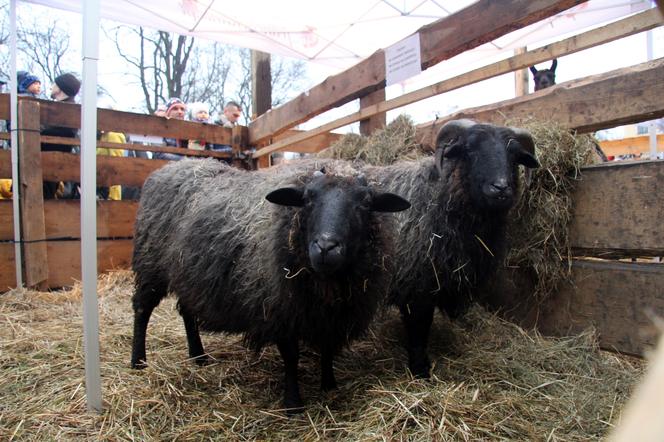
{"x": 526, "y": 154}
{"x": 533, "y": 70}
{"x": 554, "y": 65}
{"x": 389, "y": 202}
{"x": 450, "y": 139}
{"x": 286, "y": 196}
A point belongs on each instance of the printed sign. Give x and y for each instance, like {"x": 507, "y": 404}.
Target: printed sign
{"x": 402, "y": 60}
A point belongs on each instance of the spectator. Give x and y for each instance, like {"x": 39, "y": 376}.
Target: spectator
{"x": 161, "y": 111}
{"x": 228, "y": 118}
{"x": 29, "y": 86}
{"x": 175, "y": 108}
{"x": 113, "y": 192}
{"x": 64, "y": 89}
{"x": 200, "y": 113}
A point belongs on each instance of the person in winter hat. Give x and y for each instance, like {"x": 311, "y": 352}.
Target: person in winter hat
{"x": 65, "y": 88}
{"x": 200, "y": 113}
{"x": 176, "y": 109}
{"x": 29, "y": 86}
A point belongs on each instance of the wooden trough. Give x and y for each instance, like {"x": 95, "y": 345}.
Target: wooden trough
{"x": 617, "y": 207}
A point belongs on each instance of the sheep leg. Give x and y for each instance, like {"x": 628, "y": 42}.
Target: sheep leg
{"x": 327, "y": 370}
{"x": 144, "y": 301}
{"x": 196, "y": 351}
{"x": 417, "y": 319}
{"x": 290, "y": 353}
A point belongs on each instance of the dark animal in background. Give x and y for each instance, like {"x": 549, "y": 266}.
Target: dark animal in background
{"x": 546, "y": 77}
{"x": 313, "y": 271}
{"x": 453, "y": 236}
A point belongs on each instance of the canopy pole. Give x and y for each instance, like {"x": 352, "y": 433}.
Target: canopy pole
{"x": 13, "y": 117}
{"x": 88, "y": 204}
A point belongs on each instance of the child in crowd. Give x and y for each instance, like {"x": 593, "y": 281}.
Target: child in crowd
{"x": 200, "y": 113}
{"x": 29, "y": 85}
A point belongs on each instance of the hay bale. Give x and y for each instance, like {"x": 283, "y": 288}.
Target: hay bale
{"x": 538, "y": 230}
{"x": 491, "y": 380}
{"x": 395, "y": 142}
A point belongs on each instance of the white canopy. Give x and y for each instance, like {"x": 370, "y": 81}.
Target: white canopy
{"x": 334, "y": 33}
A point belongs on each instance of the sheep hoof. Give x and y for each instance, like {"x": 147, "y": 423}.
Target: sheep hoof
{"x": 202, "y": 360}
{"x": 328, "y": 385}
{"x": 139, "y": 365}
{"x": 293, "y": 407}
{"x": 420, "y": 370}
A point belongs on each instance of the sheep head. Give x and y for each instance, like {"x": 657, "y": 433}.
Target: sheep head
{"x": 336, "y": 212}
{"x": 485, "y": 158}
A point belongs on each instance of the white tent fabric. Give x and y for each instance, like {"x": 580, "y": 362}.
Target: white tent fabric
{"x": 336, "y": 34}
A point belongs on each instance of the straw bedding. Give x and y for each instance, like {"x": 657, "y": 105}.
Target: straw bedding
{"x": 491, "y": 381}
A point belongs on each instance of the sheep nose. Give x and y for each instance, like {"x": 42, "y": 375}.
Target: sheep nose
{"x": 326, "y": 245}
{"x": 499, "y": 186}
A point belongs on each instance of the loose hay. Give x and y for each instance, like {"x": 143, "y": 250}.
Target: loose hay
{"x": 491, "y": 380}
{"x": 539, "y": 226}
{"x": 395, "y": 142}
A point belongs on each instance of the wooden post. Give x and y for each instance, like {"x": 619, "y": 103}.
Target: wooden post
{"x": 31, "y": 196}
{"x": 261, "y": 93}
{"x": 261, "y": 83}
{"x": 520, "y": 76}
{"x": 375, "y": 122}
{"x": 239, "y": 138}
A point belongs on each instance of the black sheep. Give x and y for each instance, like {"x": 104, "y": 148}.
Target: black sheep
{"x": 313, "y": 272}
{"x": 452, "y": 237}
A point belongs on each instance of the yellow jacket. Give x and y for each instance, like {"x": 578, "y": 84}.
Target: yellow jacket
{"x": 114, "y": 192}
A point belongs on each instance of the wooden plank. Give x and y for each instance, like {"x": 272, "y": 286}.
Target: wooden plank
{"x": 616, "y": 298}
{"x": 261, "y": 83}
{"x": 375, "y": 122}
{"x": 629, "y": 26}
{"x": 311, "y": 145}
{"x": 631, "y": 145}
{"x": 618, "y": 210}
{"x": 473, "y": 26}
{"x": 4, "y": 107}
{"x": 624, "y": 96}
{"x": 62, "y": 166}
{"x": 141, "y": 147}
{"x": 520, "y": 76}
{"x": 6, "y": 220}
{"x": 64, "y": 259}
{"x": 69, "y": 115}
{"x": 7, "y": 267}
{"x": 5, "y": 163}
{"x": 31, "y": 194}
{"x": 115, "y": 219}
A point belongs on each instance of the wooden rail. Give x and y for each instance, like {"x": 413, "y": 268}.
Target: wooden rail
{"x": 624, "y": 96}
{"x": 638, "y": 23}
{"x": 473, "y": 26}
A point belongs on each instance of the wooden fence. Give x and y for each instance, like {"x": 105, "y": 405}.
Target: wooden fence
{"x": 617, "y": 211}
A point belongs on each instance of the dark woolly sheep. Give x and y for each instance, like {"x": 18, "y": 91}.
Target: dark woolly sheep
{"x": 313, "y": 272}
{"x": 544, "y": 78}
{"x": 452, "y": 237}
